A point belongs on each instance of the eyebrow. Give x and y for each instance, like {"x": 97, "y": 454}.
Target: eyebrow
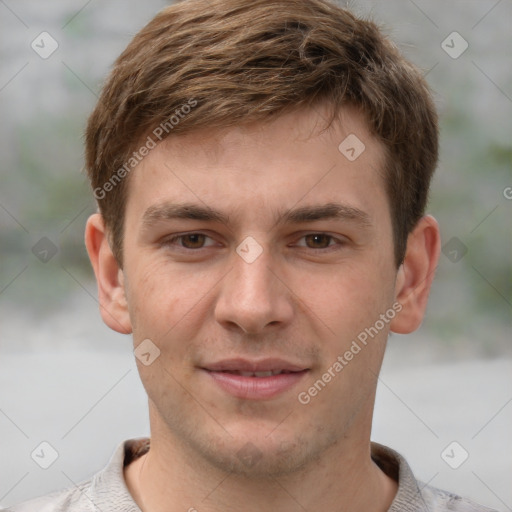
{"x": 303, "y": 214}
{"x": 191, "y": 211}
{"x": 327, "y": 211}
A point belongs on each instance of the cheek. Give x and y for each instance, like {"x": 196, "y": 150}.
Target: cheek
{"x": 168, "y": 301}
{"x": 347, "y": 296}
{"x": 140, "y": 292}
{"x": 152, "y": 299}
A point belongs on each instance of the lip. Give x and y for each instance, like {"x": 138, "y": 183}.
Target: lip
{"x": 255, "y": 388}
{"x": 245, "y": 365}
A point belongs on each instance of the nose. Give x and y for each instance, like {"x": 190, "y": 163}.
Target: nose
{"x": 254, "y": 297}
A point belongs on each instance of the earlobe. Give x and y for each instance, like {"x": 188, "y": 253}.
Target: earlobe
{"x": 109, "y": 276}
{"x": 415, "y": 276}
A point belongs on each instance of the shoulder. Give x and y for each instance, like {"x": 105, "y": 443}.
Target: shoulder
{"x": 415, "y": 496}
{"x": 105, "y": 491}
{"x": 60, "y": 501}
{"x": 439, "y": 500}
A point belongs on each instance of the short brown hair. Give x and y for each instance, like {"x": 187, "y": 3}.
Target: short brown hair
{"x": 239, "y": 61}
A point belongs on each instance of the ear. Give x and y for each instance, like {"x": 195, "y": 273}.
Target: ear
{"x": 109, "y": 276}
{"x": 415, "y": 275}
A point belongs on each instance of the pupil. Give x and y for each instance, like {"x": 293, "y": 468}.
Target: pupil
{"x": 318, "y": 239}
{"x": 193, "y": 240}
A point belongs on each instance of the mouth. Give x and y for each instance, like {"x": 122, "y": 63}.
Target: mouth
{"x": 268, "y": 373}
{"x": 255, "y": 380}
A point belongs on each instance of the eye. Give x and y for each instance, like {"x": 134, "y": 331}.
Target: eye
{"x": 189, "y": 241}
{"x": 319, "y": 241}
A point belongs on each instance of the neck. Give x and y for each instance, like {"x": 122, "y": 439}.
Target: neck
{"x": 171, "y": 478}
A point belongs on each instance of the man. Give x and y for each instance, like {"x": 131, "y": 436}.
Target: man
{"x": 262, "y": 170}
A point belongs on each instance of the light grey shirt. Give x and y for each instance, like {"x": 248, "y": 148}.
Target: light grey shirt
{"x": 107, "y": 490}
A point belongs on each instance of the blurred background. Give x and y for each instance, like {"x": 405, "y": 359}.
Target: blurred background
{"x": 65, "y": 379}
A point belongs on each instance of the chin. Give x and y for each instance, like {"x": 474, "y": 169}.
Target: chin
{"x": 262, "y": 456}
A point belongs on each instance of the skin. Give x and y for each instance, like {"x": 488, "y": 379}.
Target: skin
{"x": 304, "y": 299}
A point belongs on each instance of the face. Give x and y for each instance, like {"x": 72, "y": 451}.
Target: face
{"x": 264, "y": 249}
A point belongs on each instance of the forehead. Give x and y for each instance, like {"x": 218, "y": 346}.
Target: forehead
{"x": 290, "y": 135}
{"x": 284, "y": 161}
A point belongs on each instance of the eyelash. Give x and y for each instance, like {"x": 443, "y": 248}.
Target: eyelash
{"x": 171, "y": 241}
